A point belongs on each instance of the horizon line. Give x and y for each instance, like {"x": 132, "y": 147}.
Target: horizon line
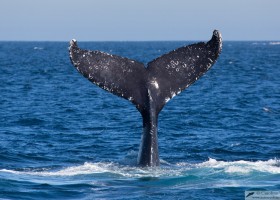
{"x": 242, "y": 40}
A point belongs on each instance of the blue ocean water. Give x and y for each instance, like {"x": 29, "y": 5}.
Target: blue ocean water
{"x": 62, "y": 137}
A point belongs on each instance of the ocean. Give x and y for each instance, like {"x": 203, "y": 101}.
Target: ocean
{"x": 61, "y": 137}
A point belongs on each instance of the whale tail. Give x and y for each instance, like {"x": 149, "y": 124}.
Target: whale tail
{"x": 167, "y": 75}
{"x": 151, "y": 87}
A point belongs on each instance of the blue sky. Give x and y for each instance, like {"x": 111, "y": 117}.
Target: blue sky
{"x": 138, "y": 20}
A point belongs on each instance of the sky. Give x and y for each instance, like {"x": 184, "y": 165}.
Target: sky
{"x": 138, "y": 20}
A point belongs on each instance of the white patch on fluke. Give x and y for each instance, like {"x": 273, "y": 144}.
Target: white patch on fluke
{"x": 149, "y": 94}
{"x": 155, "y": 84}
{"x": 73, "y": 42}
{"x": 167, "y": 99}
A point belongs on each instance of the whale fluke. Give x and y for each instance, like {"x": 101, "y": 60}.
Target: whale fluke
{"x": 151, "y": 87}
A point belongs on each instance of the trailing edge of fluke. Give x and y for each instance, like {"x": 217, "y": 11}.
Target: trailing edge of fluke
{"x": 148, "y": 88}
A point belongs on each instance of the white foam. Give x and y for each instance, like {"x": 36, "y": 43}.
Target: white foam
{"x": 38, "y": 48}
{"x": 86, "y": 168}
{"x": 274, "y": 43}
{"x": 243, "y": 167}
{"x": 101, "y": 168}
{"x": 180, "y": 169}
{"x": 259, "y": 43}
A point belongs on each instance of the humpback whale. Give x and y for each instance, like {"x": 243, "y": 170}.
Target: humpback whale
{"x": 149, "y": 87}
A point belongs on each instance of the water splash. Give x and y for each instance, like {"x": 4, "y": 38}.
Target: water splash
{"x": 178, "y": 170}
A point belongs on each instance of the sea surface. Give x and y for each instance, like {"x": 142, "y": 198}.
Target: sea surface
{"x": 61, "y": 137}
